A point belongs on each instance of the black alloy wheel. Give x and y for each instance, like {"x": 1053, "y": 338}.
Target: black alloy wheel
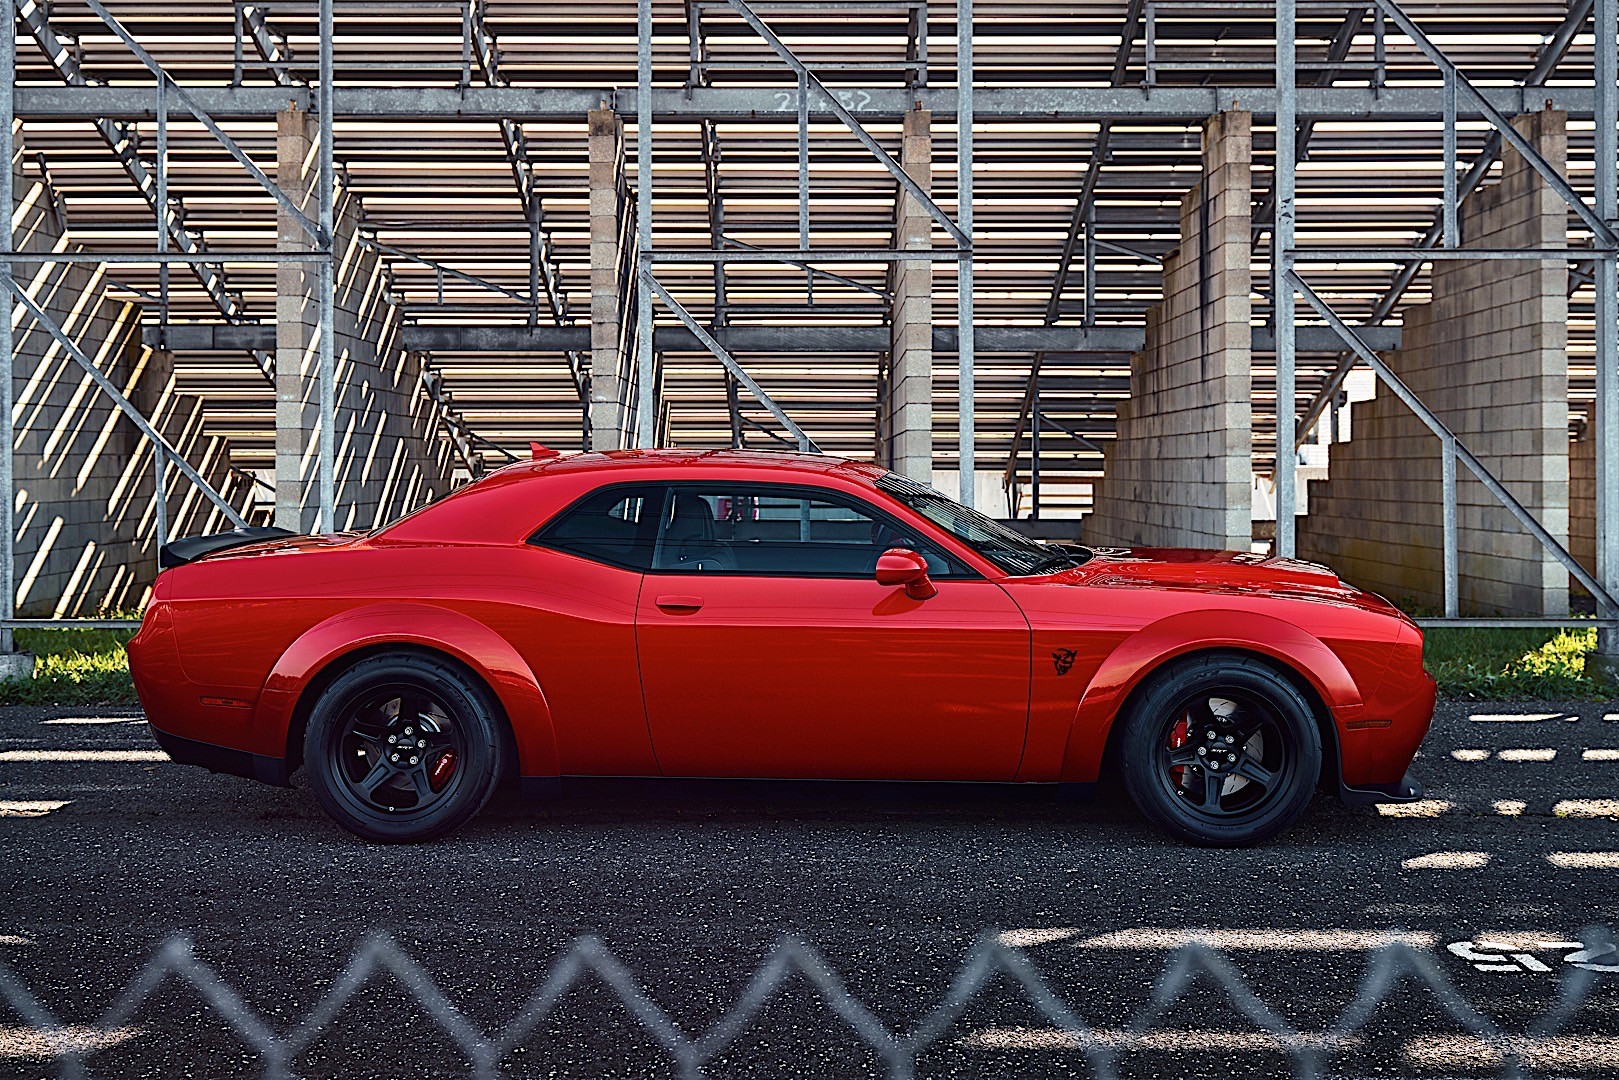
{"x": 1221, "y": 751}
{"x": 404, "y": 746}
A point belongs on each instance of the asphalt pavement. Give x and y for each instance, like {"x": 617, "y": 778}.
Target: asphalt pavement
{"x": 612, "y": 932}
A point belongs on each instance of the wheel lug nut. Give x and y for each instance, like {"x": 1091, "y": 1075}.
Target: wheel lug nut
{"x": 393, "y": 738}
{"x": 1229, "y": 739}
{"x": 1231, "y": 757}
{"x": 1211, "y": 735}
{"x": 414, "y": 759}
{"x": 409, "y": 730}
{"x": 393, "y": 757}
{"x": 1202, "y": 751}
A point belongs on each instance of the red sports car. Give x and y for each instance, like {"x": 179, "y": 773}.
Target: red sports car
{"x": 731, "y": 614}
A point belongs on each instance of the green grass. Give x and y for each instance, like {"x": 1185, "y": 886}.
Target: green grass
{"x": 88, "y": 667}
{"x": 1486, "y": 662}
{"x": 76, "y": 667}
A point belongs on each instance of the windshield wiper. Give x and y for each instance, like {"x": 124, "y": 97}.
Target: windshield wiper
{"x": 1051, "y": 562}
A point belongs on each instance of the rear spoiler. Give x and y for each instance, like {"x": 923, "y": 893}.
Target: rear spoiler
{"x": 190, "y": 548}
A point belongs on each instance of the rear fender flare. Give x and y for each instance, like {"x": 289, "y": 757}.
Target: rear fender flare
{"x": 443, "y": 630}
{"x": 1145, "y": 651}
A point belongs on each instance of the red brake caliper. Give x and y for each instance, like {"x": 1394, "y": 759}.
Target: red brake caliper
{"x": 1177, "y": 739}
{"x": 445, "y": 765}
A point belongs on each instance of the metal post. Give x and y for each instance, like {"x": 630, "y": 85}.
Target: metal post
{"x": 327, "y": 268}
{"x": 803, "y": 180}
{"x": 1447, "y": 468}
{"x": 964, "y": 262}
{"x": 8, "y": 489}
{"x": 163, "y": 205}
{"x": 160, "y": 501}
{"x": 646, "y": 390}
{"x": 1034, "y": 453}
{"x": 535, "y": 254}
{"x": 1281, "y": 252}
{"x": 1152, "y": 43}
{"x": 1090, "y": 265}
{"x": 1606, "y": 31}
{"x": 1452, "y": 232}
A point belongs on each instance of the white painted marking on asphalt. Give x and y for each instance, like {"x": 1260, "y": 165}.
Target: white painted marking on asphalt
{"x": 1587, "y": 808}
{"x": 1513, "y": 718}
{"x": 1159, "y": 937}
{"x": 1602, "y": 754}
{"x": 14, "y": 939}
{"x": 1470, "y": 755}
{"x": 30, "y": 807}
{"x": 1510, "y": 807}
{"x": 1495, "y": 955}
{"x": 1023, "y": 939}
{"x": 1448, "y": 860}
{"x": 87, "y": 720}
{"x": 1585, "y": 860}
{"x": 59, "y": 756}
{"x": 1538, "y": 753}
{"x": 1579, "y": 1053}
{"x": 26, "y": 1044}
{"x": 1027, "y": 1038}
{"x": 1422, "y": 808}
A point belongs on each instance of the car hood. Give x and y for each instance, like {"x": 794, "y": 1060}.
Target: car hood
{"x": 1168, "y": 566}
{"x": 1224, "y": 571}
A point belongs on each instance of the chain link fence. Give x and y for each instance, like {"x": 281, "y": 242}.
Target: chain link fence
{"x": 1103, "y": 1047}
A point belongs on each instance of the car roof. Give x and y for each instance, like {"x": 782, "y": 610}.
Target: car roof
{"x": 700, "y": 461}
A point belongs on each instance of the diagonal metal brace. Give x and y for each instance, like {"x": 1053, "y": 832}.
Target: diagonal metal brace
{"x": 207, "y": 122}
{"x": 1448, "y": 438}
{"x": 651, "y": 283}
{"x": 124, "y": 404}
{"x": 860, "y": 133}
{"x": 1600, "y": 229}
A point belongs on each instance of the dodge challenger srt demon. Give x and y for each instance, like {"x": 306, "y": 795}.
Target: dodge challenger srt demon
{"x": 733, "y": 614}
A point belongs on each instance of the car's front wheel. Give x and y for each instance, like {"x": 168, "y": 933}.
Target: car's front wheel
{"x": 404, "y": 746}
{"x": 1221, "y": 751}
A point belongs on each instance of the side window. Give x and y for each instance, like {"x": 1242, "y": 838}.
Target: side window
{"x": 785, "y": 532}
{"x": 618, "y": 526}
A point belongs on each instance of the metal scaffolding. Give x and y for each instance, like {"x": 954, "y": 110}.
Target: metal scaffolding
{"x": 765, "y": 178}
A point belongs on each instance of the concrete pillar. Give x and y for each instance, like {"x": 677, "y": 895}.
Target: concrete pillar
{"x": 1489, "y": 355}
{"x": 391, "y": 454}
{"x": 609, "y": 381}
{"x": 297, "y": 349}
{"x": 908, "y": 405}
{"x": 1179, "y": 474}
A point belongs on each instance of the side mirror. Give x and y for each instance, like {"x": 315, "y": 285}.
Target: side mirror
{"x": 902, "y": 566}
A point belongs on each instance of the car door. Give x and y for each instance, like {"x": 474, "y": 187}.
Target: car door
{"x": 767, "y": 647}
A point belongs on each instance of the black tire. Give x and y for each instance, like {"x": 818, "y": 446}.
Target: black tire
{"x": 1260, "y": 731}
{"x": 383, "y": 732}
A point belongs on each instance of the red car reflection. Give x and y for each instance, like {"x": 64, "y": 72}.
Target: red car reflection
{"x": 730, "y": 614}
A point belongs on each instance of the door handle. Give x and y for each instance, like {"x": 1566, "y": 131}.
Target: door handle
{"x": 679, "y": 605}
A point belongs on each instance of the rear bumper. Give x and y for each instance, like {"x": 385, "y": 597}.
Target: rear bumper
{"x": 222, "y": 759}
{"x": 1407, "y": 790}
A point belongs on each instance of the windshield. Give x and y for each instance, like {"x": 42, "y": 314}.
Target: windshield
{"x": 1006, "y": 548}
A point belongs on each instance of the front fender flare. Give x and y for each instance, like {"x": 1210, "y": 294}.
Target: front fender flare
{"x": 1143, "y": 652}
{"x": 427, "y": 626}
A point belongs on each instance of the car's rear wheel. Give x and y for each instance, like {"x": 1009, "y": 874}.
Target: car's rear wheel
{"x": 1221, "y": 751}
{"x": 403, "y": 747}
